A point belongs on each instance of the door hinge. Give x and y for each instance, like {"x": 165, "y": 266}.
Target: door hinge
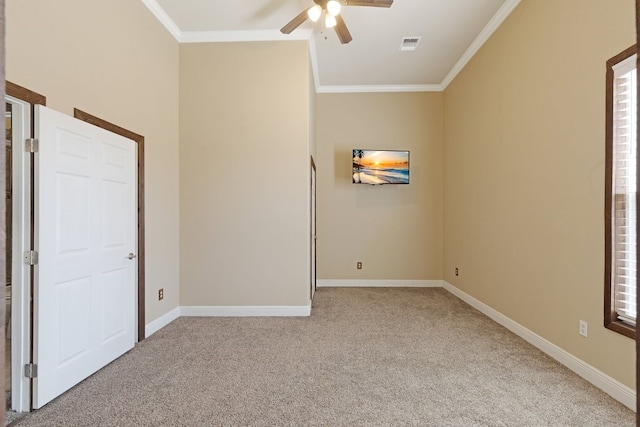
{"x": 31, "y": 370}
{"x": 31, "y": 145}
{"x": 30, "y": 257}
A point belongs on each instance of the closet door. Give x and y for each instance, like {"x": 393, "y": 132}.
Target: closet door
{"x": 86, "y": 274}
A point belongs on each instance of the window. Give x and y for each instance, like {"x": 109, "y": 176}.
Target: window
{"x": 620, "y": 193}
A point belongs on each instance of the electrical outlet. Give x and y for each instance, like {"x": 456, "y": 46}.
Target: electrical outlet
{"x": 160, "y": 294}
{"x": 456, "y": 271}
{"x": 583, "y": 328}
{"x": 359, "y": 265}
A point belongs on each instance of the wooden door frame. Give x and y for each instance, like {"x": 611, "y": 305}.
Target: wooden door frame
{"x": 139, "y": 140}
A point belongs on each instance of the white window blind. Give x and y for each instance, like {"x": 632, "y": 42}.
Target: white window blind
{"x": 624, "y": 189}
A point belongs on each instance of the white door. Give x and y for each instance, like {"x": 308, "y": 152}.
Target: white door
{"x": 85, "y": 279}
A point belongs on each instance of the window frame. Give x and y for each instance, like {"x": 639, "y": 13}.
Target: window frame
{"x": 611, "y": 320}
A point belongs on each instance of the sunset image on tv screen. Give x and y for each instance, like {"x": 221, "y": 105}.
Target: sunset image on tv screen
{"x": 380, "y": 167}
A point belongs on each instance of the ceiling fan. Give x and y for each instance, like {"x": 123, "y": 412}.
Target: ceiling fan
{"x": 331, "y": 11}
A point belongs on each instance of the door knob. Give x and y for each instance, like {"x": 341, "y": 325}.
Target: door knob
{"x": 131, "y": 255}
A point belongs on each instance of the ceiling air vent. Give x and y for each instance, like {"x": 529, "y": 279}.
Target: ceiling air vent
{"x": 409, "y": 43}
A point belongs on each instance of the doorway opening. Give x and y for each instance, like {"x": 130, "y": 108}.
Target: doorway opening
{"x": 17, "y": 223}
{"x": 19, "y": 111}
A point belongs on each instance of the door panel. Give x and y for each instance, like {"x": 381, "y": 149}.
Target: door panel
{"x": 72, "y": 303}
{"x": 72, "y": 214}
{"x": 113, "y": 313}
{"x": 86, "y": 225}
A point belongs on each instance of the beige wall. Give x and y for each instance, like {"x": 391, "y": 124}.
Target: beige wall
{"x": 515, "y": 147}
{"x": 524, "y": 173}
{"x": 312, "y": 114}
{"x": 112, "y": 59}
{"x": 244, "y": 174}
{"x": 395, "y": 230}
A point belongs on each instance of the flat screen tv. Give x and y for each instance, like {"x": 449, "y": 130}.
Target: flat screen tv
{"x": 380, "y": 167}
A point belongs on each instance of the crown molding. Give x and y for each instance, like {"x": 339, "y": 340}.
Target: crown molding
{"x": 164, "y": 19}
{"x": 221, "y": 36}
{"x": 379, "y": 88}
{"x": 495, "y": 22}
{"x": 307, "y": 33}
{"x": 243, "y": 36}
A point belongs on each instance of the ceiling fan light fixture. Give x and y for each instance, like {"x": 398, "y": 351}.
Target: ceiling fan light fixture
{"x": 330, "y": 21}
{"x": 333, "y": 7}
{"x": 314, "y": 13}
{"x": 330, "y": 11}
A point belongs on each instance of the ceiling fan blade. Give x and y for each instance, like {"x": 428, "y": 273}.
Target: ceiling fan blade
{"x": 342, "y": 31}
{"x": 373, "y": 3}
{"x": 294, "y": 23}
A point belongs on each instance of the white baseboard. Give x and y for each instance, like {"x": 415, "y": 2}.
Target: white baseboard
{"x": 611, "y": 386}
{"x": 246, "y": 311}
{"x": 339, "y": 283}
{"x": 162, "y": 321}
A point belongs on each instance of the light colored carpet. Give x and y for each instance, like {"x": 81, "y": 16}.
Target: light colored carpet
{"x": 366, "y": 357}
{"x": 11, "y": 416}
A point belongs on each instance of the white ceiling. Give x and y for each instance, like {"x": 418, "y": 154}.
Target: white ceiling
{"x": 451, "y": 32}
